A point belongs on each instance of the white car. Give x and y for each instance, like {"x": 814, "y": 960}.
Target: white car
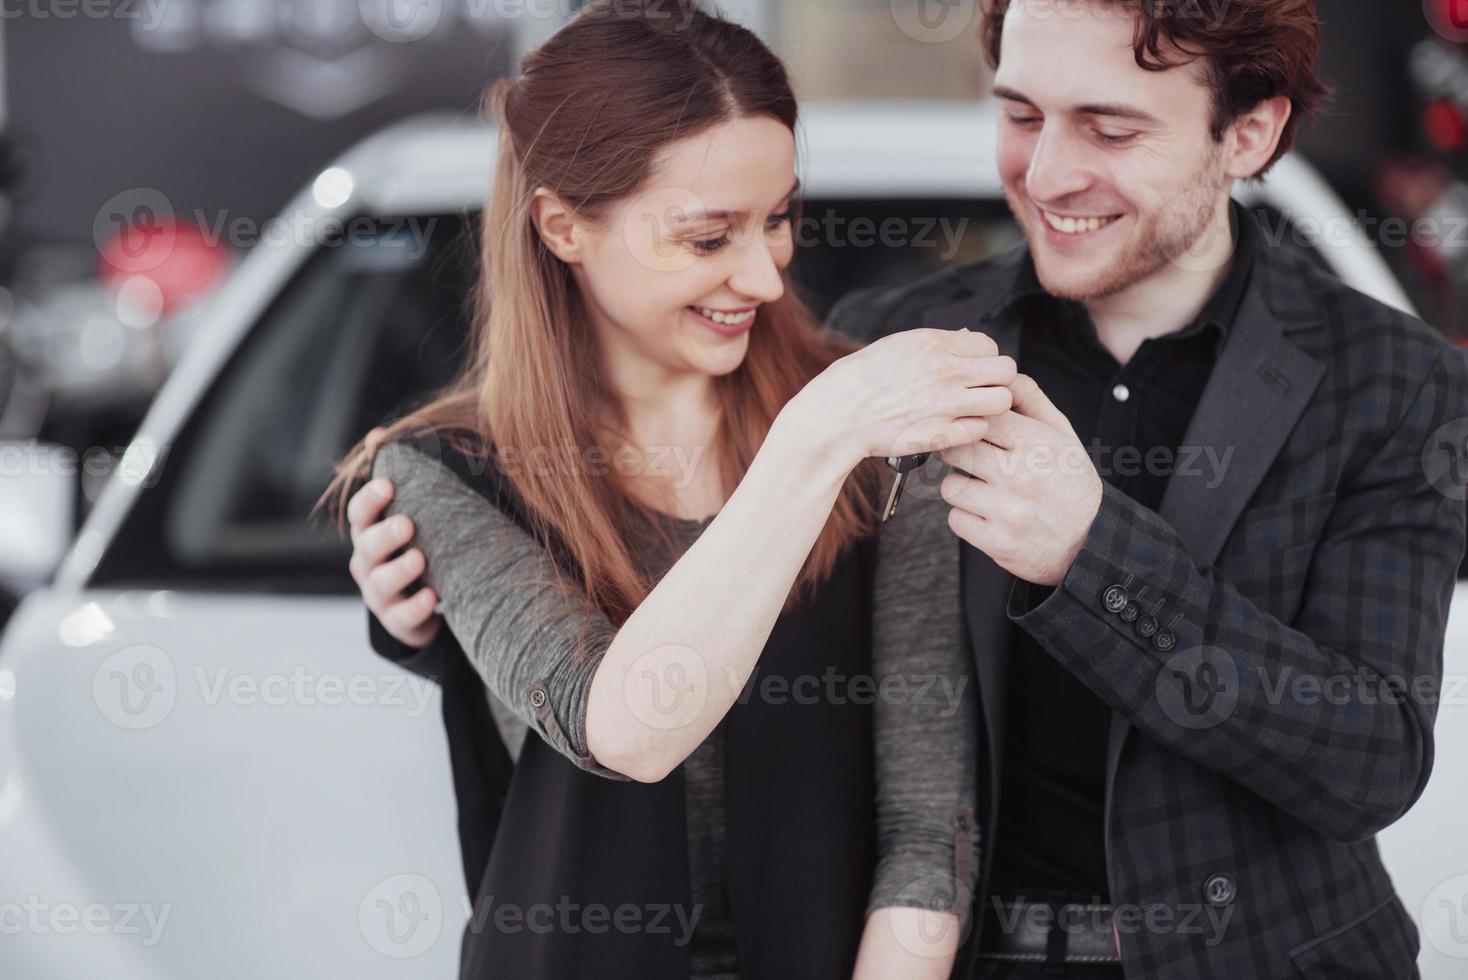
{"x": 205, "y": 771}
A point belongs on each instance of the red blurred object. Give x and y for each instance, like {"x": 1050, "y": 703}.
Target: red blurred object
{"x": 174, "y": 256}
{"x": 1453, "y": 13}
{"x": 1445, "y": 125}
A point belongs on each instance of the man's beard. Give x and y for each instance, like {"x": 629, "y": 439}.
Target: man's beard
{"x": 1167, "y": 235}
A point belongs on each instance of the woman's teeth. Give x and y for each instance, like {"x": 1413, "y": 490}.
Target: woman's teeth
{"x": 732, "y": 319}
{"x": 1075, "y": 226}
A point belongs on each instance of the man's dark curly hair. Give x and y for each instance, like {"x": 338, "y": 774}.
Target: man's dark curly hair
{"x": 1253, "y": 50}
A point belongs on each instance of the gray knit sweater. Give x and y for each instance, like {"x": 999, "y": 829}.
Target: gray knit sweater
{"x": 497, "y": 595}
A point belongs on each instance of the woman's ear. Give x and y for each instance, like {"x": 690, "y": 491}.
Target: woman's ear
{"x": 557, "y": 226}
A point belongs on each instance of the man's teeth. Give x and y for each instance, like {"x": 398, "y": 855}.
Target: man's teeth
{"x": 1075, "y": 226}
{"x": 733, "y": 319}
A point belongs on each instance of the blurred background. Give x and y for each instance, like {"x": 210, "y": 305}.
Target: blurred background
{"x": 251, "y": 223}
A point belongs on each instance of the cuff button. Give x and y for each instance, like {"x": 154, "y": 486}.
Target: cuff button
{"x": 1165, "y": 641}
{"x": 1147, "y": 626}
{"x": 1114, "y": 599}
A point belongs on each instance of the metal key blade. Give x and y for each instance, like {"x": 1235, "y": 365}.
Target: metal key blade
{"x": 893, "y": 497}
{"x": 903, "y": 465}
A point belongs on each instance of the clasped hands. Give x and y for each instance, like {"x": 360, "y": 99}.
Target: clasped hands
{"x": 1027, "y": 493}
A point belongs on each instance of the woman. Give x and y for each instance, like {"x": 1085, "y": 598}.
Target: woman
{"x": 633, "y": 307}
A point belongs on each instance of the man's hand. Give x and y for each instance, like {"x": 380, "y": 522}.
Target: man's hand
{"x": 1028, "y": 492}
{"x": 409, "y": 619}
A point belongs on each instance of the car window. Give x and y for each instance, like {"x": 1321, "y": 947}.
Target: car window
{"x": 367, "y": 326}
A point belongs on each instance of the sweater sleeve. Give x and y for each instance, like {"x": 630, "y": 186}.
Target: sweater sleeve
{"x": 926, "y": 713}
{"x": 536, "y": 644}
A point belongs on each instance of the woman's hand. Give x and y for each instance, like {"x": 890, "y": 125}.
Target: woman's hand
{"x": 383, "y": 580}
{"x": 917, "y": 391}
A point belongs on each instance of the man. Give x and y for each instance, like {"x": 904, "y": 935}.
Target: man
{"x": 1222, "y": 492}
{"x": 1207, "y": 559}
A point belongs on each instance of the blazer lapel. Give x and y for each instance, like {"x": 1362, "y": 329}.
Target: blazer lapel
{"x": 1255, "y": 395}
{"x": 1260, "y": 386}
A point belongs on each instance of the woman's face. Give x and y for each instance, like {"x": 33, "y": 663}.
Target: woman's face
{"x": 674, "y": 276}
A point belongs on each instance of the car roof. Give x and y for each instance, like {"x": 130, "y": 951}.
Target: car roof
{"x": 845, "y": 149}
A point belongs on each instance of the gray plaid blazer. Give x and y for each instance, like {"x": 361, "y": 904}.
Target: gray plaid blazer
{"x": 1255, "y": 753}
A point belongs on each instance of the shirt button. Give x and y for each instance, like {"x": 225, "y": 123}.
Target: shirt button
{"x": 1219, "y": 889}
{"x": 537, "y": 697}
{"x": 1121, "y": 393}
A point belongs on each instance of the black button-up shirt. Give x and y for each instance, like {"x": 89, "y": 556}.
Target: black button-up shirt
{"x": 1133, "y": 418}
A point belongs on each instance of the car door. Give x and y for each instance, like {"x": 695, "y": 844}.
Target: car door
{"x": 206, "y": 769}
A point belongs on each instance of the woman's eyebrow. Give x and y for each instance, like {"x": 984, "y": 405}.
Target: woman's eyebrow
{"x": 715, "y": 214}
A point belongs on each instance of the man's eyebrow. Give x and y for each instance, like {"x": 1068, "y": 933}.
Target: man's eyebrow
{"x": 1114, "y": 109}
{"x": 717, "y": 214}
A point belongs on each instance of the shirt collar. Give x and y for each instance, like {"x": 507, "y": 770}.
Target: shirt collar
{"x": 1221, "y": 307}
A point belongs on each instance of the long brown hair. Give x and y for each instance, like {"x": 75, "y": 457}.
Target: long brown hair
{"x": 584, "y": 118}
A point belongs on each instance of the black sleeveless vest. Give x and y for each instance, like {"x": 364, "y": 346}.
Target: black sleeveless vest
{"x": 574, "y": 875}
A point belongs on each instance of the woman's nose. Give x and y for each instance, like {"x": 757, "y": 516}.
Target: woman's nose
{"x": 758, "y": 276}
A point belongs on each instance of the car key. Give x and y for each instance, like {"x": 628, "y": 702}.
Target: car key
{"x": 903, "y": 465}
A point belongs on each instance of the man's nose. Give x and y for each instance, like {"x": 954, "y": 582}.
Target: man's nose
{"x": 1059, "y": 167}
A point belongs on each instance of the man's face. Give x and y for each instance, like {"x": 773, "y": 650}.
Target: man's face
{"x": 1110, "y": 169}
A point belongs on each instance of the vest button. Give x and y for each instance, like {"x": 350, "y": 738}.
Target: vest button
{"x": 537, "y": 697}
{"x": 1219, "y": 889}
{"x": 1114, "y": 599}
